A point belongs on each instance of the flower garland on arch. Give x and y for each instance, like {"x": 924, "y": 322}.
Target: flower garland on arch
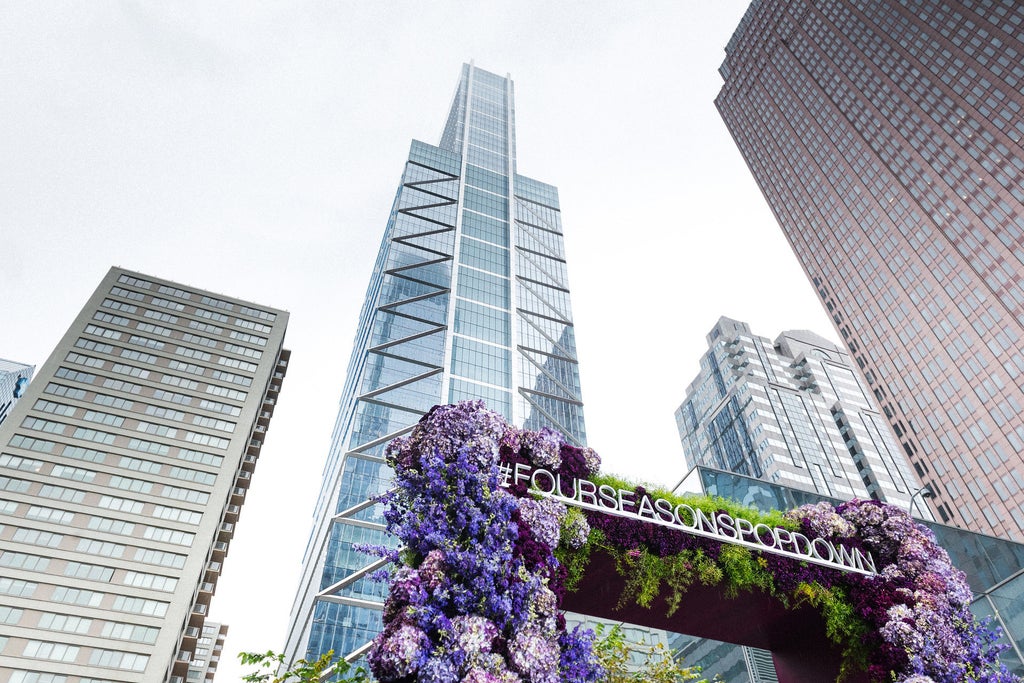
{"x": 919, "y": 626}
{"x": 477, "y": 592}
{"x": 476, "y": 595}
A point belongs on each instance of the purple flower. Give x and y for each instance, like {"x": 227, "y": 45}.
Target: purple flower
{"x": 542, "y": 610}
{"x": 476, "y": 599}
{"x": 575, "y": 529}
{"x": 480, "y": 676}
{"x": 591, "y": 461}
{"x": 578, "y": 662}
{"x": 535, "y": 656}
{"x": 431, "y": 570}
{"x": 497, "y": 674}
{"x": 544, "y": 518}
{"x": 474, "y": 633}
{"x": 823, "y": 520}
{"x": 543, "y": 447}
{"x": 398, "y": 652}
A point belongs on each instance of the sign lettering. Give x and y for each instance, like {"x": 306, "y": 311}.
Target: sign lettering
{"x": 720, "y": 526}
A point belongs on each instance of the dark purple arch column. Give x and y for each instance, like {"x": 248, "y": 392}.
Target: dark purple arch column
{"x": 795, "y": 637}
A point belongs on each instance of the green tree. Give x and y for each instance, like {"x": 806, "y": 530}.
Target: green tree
{"x": 302, "y": 671}
{"x": 659, "y": 666}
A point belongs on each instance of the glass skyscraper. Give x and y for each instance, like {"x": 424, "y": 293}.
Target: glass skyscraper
{"x": 14, "y": 378}
{"x": 886, "y": 137}
{"x": 468, "y": 300}
{"x": 791, "y": 412}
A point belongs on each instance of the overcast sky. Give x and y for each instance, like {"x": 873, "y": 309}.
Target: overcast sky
{"x": 254, "y": 149}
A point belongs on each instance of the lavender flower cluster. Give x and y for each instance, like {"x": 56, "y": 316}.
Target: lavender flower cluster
{"x": 918, "y": 607}
{"x": 477, "y": 593}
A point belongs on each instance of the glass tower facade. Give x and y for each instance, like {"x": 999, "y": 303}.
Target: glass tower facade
{"x": 793, "y": 412}
{"x": 468, "y": 300}
{"x": 14, "y": 378}
{"x": 886, "y": 137}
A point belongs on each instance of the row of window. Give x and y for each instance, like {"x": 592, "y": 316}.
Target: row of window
{"x": 150, "y": 359}
{"x": 143, "y": 374}
{"x": 70, "y": 495}
{"x": 107, "y": 438}
{"x": 161, "y": 331}
{"x": 207, "y": 300}
{"x": 62, "y": 652}
{"x": 88, "y": 572}
{"x": 126, "y": 404}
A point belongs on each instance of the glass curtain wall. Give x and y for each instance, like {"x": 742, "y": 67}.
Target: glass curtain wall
{"x": 464, "y": 229}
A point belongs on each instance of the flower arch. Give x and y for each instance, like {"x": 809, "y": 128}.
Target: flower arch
{"x": 486, "y": 563}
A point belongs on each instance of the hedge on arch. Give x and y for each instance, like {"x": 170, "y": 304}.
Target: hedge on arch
{"x": 476, "y": 591}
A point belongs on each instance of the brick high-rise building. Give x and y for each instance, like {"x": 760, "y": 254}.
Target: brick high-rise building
{"x": 886, "y": 137}
{"x": 122, "y": 471}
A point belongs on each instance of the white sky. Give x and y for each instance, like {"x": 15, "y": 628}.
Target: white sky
{"x": 254, "y": 149}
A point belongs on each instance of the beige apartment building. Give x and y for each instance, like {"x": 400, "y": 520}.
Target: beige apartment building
{"x": 122, "y": 473}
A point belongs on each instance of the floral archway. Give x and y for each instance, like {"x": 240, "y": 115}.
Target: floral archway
{"x": 486, "y": 563}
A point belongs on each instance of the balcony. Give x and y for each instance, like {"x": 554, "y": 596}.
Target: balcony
{"x": 231, "y": 513}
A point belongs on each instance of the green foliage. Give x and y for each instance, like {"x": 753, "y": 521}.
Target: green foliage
{"x": 576, "y": 561}
{"x": 744, "y": 572}
{"x": 737, "y": 570}
{"x": 678, "y": 575}
{"x": 660, "y": 665}
{"x": 302, "y": 671}
{"x": 842, "y": 625}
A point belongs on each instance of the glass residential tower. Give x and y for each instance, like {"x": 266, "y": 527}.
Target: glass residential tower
{"x": 468, "y": 300}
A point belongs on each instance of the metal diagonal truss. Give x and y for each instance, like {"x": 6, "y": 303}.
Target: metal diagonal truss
{"x": 541, "y": 253}
{"x": 422, "y": 247}
{"x": 526, "y": 394}
{"x": 529, "y": 319}
{"x": 531, "y": 256}
{"x": 526, "y": 353}
{"x": 532, "y": 288}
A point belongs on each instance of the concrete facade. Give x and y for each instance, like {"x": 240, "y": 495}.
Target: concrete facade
{"x": 122, "y": 473}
